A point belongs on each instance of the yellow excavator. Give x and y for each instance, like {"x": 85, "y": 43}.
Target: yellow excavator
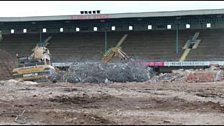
{"x": 36, "y": 66}
{"x": 116, "y": 51}
{"x": 189, "y": 45}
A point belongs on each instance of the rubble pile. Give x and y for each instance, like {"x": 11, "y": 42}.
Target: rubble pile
{"x": 134, "y": 72}
{"x": 211, "y": 74}
{"x": 101, "y": 73}
{"x": 175, "y": 75}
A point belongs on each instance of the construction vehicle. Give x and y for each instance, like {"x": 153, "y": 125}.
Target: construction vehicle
{"x": 37, "y": 66}
{"x": 189, "y": 45}
{"x": 116, "y": 51}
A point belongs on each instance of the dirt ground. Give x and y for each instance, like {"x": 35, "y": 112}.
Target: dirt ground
{"x": 7, "y": 63}
{"x": 115, "y": 103}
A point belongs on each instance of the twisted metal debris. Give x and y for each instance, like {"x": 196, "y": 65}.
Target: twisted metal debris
{"x": 101, "y": 73}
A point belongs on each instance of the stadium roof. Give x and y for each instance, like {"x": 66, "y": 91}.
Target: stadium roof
{"x": 114, "y": 16}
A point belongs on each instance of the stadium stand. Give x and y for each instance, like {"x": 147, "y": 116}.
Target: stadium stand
{"x": 149, "y": 45}
{"x": 157, "y": 44}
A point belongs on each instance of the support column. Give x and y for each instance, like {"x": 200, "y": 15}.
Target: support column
{"x": 177, "y": 39}
{"x": 105, "y": 42}
{"x": 0, "y": 35}
{"x": 40, "y": 36}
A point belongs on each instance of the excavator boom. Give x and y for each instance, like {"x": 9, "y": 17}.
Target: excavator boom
{"x": 122, "y": 40}
{"x": 189, "y": 45}
{"x": 116, "y": 51}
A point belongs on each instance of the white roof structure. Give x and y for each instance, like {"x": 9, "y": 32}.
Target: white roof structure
{"x": 114, "y": 16}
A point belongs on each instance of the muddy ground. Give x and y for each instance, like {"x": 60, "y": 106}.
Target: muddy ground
{"x": 115, "y": 103}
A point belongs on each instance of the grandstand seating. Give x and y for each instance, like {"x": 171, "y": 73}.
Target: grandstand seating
{"x": 147, "y": 45}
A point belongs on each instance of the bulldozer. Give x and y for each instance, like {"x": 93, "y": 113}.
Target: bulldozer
{"x": 37, "y": 66}
{"x": 116, "y": 51}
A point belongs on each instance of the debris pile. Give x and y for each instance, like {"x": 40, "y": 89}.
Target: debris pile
{"x": 7, "y": 63}
{"x": 101, "y": 73}
{"x": 135, "y": 72}
{"x": 211, "y": 74}
{"x": 175, "y": 75}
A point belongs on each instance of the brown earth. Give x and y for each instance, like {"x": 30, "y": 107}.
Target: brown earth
{"x": 116, "y": 103}
{"x": 7, "y": 63}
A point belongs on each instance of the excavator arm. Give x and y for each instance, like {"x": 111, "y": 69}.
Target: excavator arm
{"x": 116, "y": 51}
{"x": 189, "y": 45}
{"x": 41, "y": 49}
{"x": 113, "y": 52}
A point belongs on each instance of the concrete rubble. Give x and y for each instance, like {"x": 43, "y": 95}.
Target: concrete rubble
{"x": 175, "y": 75}
{"x": 211, "y": 74}
{"x": 90, "y": 72}
{"x": 101, "y": 73}
{"x": 94, "y": 72}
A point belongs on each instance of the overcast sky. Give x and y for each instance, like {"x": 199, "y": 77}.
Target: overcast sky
{"x": 45, "y": 8}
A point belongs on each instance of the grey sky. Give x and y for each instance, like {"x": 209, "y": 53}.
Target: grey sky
{"x": 45, "y": 8}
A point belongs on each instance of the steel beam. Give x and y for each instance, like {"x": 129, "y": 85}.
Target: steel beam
{"x": 105, "y": 42}
{"x": 177, "y": 39}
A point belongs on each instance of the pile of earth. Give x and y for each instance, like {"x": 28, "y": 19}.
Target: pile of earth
{"x": 7, "y": 63}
